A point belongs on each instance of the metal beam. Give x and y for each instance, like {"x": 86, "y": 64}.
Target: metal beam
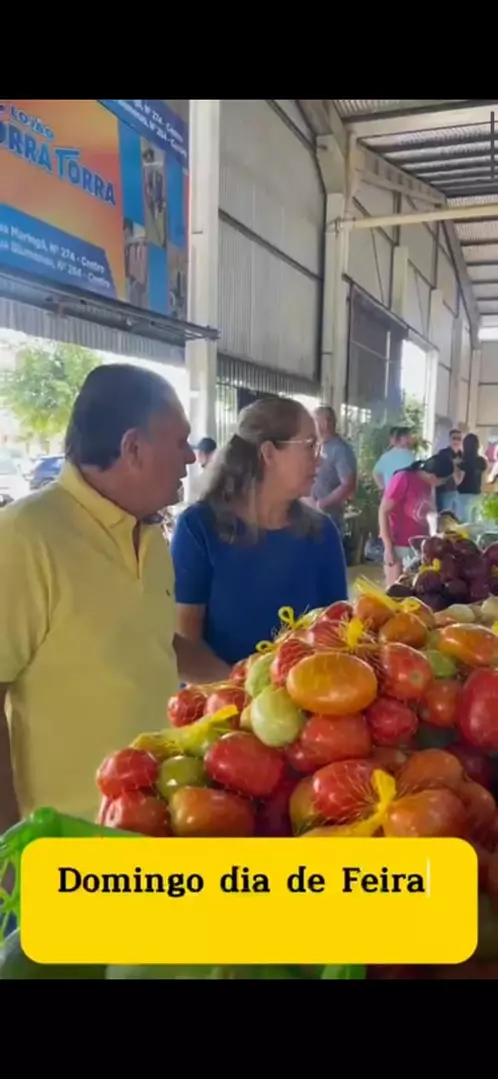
{"x": 426, "y": 120}
{"x": 443, "y": 213}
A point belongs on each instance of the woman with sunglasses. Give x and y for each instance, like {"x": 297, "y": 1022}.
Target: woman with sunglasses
{"x": 250, "y": 546}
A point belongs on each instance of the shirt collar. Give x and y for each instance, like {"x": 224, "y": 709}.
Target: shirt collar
{"x": 103, "y": 510}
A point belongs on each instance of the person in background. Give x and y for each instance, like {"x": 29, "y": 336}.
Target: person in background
{"x": 89, "y": 653}
{"x": 250, "y": 545}
{"x": 337, "y": 473}
{"x": 474, "y": 468}
{"x": 204, "y": 451}
{"x": 405, "y": 508}
{"x": 399, "y": 456}
{"x": 446, "y": 494}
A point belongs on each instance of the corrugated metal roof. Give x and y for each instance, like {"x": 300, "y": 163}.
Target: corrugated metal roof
{"x": 358, "y": 106}
{"x": 460, "y": 159}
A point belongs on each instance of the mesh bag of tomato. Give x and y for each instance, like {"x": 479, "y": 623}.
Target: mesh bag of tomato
{"x": 363, "y": 719}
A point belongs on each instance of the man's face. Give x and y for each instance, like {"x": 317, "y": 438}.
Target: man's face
{"x": 157, "y": 459}
{"x": 406, "y": 441}
{"x": 203, "y": 458}
{"x": 324, "y": 424}
{"x": 456, "y": 443}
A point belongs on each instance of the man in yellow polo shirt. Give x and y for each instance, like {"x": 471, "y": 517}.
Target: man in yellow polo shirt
{"x": 88, "y": 650}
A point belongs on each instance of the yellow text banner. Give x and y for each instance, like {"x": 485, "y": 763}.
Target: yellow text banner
{"x": 315, "y": 901}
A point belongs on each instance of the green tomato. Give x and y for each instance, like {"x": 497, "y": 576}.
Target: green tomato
{"x": 258, "y": 676}
{"x": 442, "y": 666}
{"x": 179, "y": 772}
{"x": 275, "y": 720}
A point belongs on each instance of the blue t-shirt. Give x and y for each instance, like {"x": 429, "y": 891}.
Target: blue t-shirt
{"x": 392, "y": 461}
{"x": 242, "y": 586}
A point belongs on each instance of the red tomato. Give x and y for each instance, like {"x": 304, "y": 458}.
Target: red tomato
{"x": 135, "y": 811}
{"x": 187, "y": 706}
{"x": 337, "y": 612}
{"x": 477, "y": 712}
{"x": 301, "y": 760}
{"x": 404, "y": 628}
{"x": 197, "y": 811}
{"x": 343, "y": 791}
{"x": 480, "y": 806}
{"x": 430, "y": 813}
{"x": 476, "y": 766}
{"x": 325, "y": 635}
{"x": 391, "y": 723}
{"x": 406, "y": 673}
{"x": 439, "y": 705}
{"x": 242, "y": 763}
{"x": 227, "y": 695}
{"x": 337, "y": 739}
{"x": 289, "y": 653}
{"x": 332, "y": 684}
{"x": 427, "y": 769}
{"x": 302, "y": 807}
{"x": 127, "y": 770}
{"x": 273, "y": 815}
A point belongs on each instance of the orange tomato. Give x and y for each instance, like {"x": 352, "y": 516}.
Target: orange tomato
{"x": 302, "y": 808}
{"x": 406, "y": 629}
{"x": 424, "y": 613}
{"x": 474, "y": 646}
{"x": 427, "y": 769}
{"x": 332, "y": 683}
{"x": 372, "y": 610}
{"x": 435, "y": 813}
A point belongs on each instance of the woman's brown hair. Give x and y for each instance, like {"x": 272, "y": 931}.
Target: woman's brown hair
{"x": 233, "y": 475}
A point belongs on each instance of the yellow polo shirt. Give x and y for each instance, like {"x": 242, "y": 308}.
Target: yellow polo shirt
{"x": 86, "y": 633}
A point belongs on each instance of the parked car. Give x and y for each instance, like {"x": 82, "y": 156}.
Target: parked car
{"x": 45, "y": 471}
{"x": 13, "y": 484}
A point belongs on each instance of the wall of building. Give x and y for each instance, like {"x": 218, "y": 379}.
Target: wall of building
{"x": 409, "y": 270}
{"x": 487, "y": 394}
{"x": 270, "y": 237}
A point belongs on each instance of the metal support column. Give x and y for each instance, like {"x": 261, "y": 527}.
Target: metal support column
{"x": 203, "y": 265}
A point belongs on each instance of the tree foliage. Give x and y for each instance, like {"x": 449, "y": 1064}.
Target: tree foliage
{"x": 41, "y": 389}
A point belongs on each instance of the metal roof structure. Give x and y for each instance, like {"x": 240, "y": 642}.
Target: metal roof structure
{"x": 450, "y": 145}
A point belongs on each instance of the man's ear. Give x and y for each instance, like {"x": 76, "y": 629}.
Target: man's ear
{"x": 130, "y": 446}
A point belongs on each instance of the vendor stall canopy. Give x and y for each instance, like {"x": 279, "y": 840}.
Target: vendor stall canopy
{"x": 449, "y": 146}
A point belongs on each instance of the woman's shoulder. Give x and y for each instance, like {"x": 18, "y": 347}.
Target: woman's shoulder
{"x": 196, "y": 518}
{"x": 320, "y": 526}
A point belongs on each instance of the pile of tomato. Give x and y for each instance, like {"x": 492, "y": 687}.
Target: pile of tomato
{"x": 365, "y": 719}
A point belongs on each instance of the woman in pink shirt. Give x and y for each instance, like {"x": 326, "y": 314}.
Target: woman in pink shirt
{"x": 405, "y": 508}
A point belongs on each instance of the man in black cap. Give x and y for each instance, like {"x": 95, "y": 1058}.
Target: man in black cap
{"x": 204, "y": 451}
